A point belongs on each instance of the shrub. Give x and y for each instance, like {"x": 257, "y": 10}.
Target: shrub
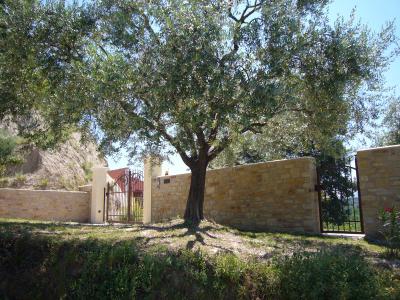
{"x": 327, "y": 275}
{"x": 107, "y": 273}
{"x": 44, "y": 268}
{"x": 19, "y": 180}
{"x": 67, "y": 184}
{"x": 42, "y": 184}
{"x": 390, "y": 219}
{"x": 9, "y": 155}
{"x": 87, "y": 169}
{"x": 4, "y": 182}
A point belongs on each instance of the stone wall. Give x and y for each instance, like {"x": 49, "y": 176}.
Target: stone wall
{"x": 379, "y": 176}
{"x": 45, "y": 205}
{"x": 273, "y": 196}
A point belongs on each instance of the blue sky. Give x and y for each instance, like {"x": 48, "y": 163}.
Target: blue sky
{"x": 374, "y": 13}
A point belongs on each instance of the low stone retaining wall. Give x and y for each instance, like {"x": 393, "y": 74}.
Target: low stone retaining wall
{"x": 272, "y": 196}
{"x": 45, "y": 205}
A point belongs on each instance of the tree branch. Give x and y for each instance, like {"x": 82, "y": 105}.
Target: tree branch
{"x": 186, "y": 159}
{"x": 149, "y": 28}
{"x": 160, "y": 128}
{"x": 218, "y": 149}
{"x": 134, "y": 9}
{"x": 235, "y": 40}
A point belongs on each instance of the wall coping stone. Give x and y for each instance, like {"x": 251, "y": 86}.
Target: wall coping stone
{"x": 379, "y": 148}
{"x": 306, "y": 158}
{"x": 40, "y": 191}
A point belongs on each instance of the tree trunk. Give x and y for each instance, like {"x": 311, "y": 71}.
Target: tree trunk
{"x": 194, "y": 204}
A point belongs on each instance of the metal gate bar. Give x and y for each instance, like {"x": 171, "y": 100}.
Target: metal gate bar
{"x": 339, "y": 212}
{"x": 124, "y": 198}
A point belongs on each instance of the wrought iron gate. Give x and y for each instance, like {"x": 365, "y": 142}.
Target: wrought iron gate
{"x": 340, "y": 197}
{"x": 124, "y": 198}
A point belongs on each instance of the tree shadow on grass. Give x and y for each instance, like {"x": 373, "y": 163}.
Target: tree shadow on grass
{"x": 197, "y": 231}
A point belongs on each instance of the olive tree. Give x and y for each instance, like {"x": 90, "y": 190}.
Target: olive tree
{"x": 196, "y": 75}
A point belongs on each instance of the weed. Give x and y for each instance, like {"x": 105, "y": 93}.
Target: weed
{"x": 4, "y": 182}
{"x": 19, "y": 180}
{"x": 87, "y": 169}
{"x": 42, "y": 184}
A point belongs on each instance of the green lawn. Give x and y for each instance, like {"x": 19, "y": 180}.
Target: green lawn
{"x": 169, "y": 260}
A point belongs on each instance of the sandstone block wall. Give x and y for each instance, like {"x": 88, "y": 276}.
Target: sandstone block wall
{"x": 275, "y": 196}
{"x": 45, "y": 205}
{"x": 379, "y": 177}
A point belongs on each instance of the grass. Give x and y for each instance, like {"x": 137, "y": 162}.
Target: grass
{"x": 171, "y": 261}
{"x": 136, "y": 212}
{"x": 210, "y": 237}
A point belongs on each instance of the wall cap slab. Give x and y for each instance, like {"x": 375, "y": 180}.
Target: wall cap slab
{"x": 272, "y": 162}
{"x": 379, "y": 148}
{"x": 40, "y": 191}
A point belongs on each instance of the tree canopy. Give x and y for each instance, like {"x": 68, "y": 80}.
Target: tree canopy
{"x": 39, "y": 43}
{"x": 391, "y": 122}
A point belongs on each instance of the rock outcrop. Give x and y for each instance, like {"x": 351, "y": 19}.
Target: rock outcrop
{"x": 65, "y": 167}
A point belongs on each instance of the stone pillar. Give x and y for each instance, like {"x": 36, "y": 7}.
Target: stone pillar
{"x": 97, "y": 199}
{"x": 152, "y": 168}
{"x": 379, "y": 178}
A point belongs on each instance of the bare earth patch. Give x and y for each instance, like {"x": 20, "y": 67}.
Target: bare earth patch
{"x": 209, "y": 237}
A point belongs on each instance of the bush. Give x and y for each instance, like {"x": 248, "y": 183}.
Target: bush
{"x": 87, "y": 169}
{"x": 8, "y": 151}
{"x": 4, "y": 182}
{"x": 390, "y": 219}
{"x": 19, "y": 180}
{"x": 42, "y": 184}
{"x": 45, "y": 268}
{"x": 327, "y": 275}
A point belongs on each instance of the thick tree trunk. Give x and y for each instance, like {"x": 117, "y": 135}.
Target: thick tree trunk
{"x": 194, "y": 204}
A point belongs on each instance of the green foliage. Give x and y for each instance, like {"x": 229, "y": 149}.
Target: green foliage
{"x": 338, "y": 187}
{"x": 392, "y": 123}
{"x": 39, "y": 43}
{"x": 390, "y": 219}
{"x": 113, "y": 267}
{"x": 4, "y": 182}
{"x": 197, "y": 75}
{"x": 328, "y": 275}
{"x": 284, "y": 138}
{"x": 42, "y": 184}
{"x": 87, "y": 169}
{"x": 35, "y": 267}
{"x": 8, "y": 151}
{"x": 18, "y": 180}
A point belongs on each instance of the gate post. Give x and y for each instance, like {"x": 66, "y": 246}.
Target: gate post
{"x": 99, "y": 183}
{"x": 152, "y": 168}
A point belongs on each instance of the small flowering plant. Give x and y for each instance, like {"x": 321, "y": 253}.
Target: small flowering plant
{"x": 390, "y": 218}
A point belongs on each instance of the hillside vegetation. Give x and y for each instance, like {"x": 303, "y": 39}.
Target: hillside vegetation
{"x": 41, "y": 260}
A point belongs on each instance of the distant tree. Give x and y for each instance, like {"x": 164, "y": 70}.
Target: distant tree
{"x": 196, "y": 75}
